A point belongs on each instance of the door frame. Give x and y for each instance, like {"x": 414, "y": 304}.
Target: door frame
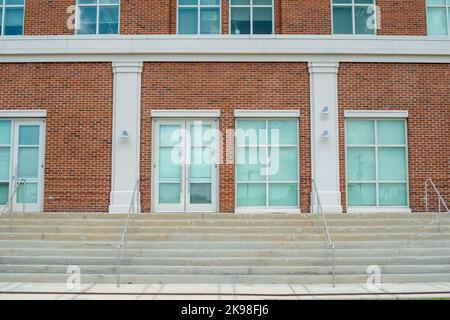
{"x": 15, "y": 123}
{"x": 156, "y": 121}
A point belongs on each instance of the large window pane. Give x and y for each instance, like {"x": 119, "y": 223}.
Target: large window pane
{"x": 240, "y": 20}
{"x": 28, "y": 162}
{"x": 4, "y": 163}
{"x": 284, "y": 130}
{"x": 200, "y": 193}
{"x": 250, "y": 162}
{"x": 364, "y": 20}
{"x": 392, "y": 164}
{"x": 210, "y": 21}
{"x": 251, "y": 195}
{"x": 262, "y": 20}
{"x": 13, "y": 21}
{"x": 251, "y": 132}
{"x": 361, "y": 164}
{"x": 283, "y": 164}
{"x": 169, "y": 135}
{"x": 391, "y": 132}
{"x": 5, "y": 132}
{"x": 283, "y": 195}
{"x": 201, "y": 162}
{"x": 109, "y": 20}
{"x": 187, "y": 21}
{"x": 360, "y": 132}
{"x": 169, "y": 162}
{"x": 29, "y": 190}
{"x": 342, "y": 20}
{"x": 437, "y": 21}
{"x": 169, "y": 193}
{"x": 29, "y": 135}
{"x": 393, "y": 194}
{"x": 362, "y": 194}
{"x": 87, "y": 23}
{"x": 4, "y": 192}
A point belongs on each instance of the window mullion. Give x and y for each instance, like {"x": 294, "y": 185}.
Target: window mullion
{"x": 97, "y": 28}
{"x": 377, "y": 184}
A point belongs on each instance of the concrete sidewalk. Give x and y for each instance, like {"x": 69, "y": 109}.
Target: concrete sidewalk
{"x": 98, "y": 291}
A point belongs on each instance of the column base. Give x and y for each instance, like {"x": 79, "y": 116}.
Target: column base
{"x": 330, "y": 200}
{"x": 120, "y": 201}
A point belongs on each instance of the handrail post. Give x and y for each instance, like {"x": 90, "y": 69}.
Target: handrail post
{"x": 439, "y": 214}
{"x": 333, "y": 266}
{"x": 426, "y": 196}
{"x": 118, "y": 265}
{"x": 24, "y": 195}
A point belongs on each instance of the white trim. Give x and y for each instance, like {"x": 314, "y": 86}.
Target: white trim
{"x": 185, "y": 114}
{"x": 266, "y": 210}
{"x": 224, "y": 48}
{"x": 375, "y": 114}
{"x": 127, "y": 67}
{"x": 378, "y": 210}
{"x": 23, "y": 113}
{"x": 266, "y": 113}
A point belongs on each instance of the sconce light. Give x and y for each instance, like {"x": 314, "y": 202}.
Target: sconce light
{"x": 326, "y": 110}
{"x": 124, "y": 135}
{"x": 325, "y": 134}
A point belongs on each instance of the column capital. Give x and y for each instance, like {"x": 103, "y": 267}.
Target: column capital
{"x": 127, "y": 67}
{"x": 323, "y": 67}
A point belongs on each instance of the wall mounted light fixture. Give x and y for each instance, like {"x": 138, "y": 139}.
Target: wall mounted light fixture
{"x": 124, "y": 135}
{"x": 325, "y": 134}
{"x": 326, "y": 110}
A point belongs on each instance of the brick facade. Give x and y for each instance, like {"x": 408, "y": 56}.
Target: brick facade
{"x": 421, "y": 89}
{"x": 226, "y": 86}
{"x": 402, "y": 17}
{"x": 78, "y": 101}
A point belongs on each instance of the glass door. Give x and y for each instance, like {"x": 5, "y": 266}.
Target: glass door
{"x": 28, "y": 166}
{"x": 185, "y": 166}
{"x": 202, "y": 160}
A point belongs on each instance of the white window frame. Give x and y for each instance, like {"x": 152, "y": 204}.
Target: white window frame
{"x": 3, "y": 6}
{"x": 446, "y": 6}
{"x": 377, "y": 116}
{"x": 354, "y": 5}
{"x": 267, "y": 182}
{"x": 199, "y": 7}
{"x": 251, "y": 6}
{"x": 98, "y": 5}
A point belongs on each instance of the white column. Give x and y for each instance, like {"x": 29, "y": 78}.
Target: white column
{"x": 126, "y": 133}
{"x": 325, "y": 133}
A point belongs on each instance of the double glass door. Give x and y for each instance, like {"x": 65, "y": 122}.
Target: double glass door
{"x": 21, "y": 164}
{"x": 185, "y": 166}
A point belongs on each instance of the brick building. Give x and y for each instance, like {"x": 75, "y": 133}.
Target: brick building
{"x": 96, "y": 94}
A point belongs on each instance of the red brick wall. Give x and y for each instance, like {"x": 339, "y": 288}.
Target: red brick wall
{"x": 47, "y": 17}
{"x": 403, "y": 17}
{"x": 421, "y": 89}
{"x": 305, "y": 17}
{"x": 226, "y": 86}
{"x": 78, "y": 100}
{"x": 145, "y": 17}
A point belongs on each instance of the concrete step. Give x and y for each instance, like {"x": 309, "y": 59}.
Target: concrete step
{"x": 222, "y": 253}
{"x": 208, "y": 230}
{"x": 297, "y": 261}
{"x": 113, "y": 222}
{"x": 225, "y": 270}
{"x": 227, "y": 245}
{"x": 223, "y": 237}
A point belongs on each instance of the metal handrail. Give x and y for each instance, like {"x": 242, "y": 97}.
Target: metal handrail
{"x": 9, "y": 203}
{"x": 135, "y": 205}
{"x": 326, "y": 234}
{"x": 439, "y": 197}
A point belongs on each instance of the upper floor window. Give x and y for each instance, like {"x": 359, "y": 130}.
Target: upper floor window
{"x": 98, "y": 16}
{"x": 354, "y": 17}
{"x": 199, "y": 16}
{"x": 251, "y": 16}
{"x": 11, "y": 17}
{"x": 438, "y": 17}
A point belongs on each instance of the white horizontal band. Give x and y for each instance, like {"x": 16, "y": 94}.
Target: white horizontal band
{"x": 23, "y": 113}
{"x": 185, "y": 113}
{"x": 375, "y": 114}
{"x": 267, "y": 113}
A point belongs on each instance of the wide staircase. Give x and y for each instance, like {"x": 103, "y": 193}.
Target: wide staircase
{"x": 225, "y": 248}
